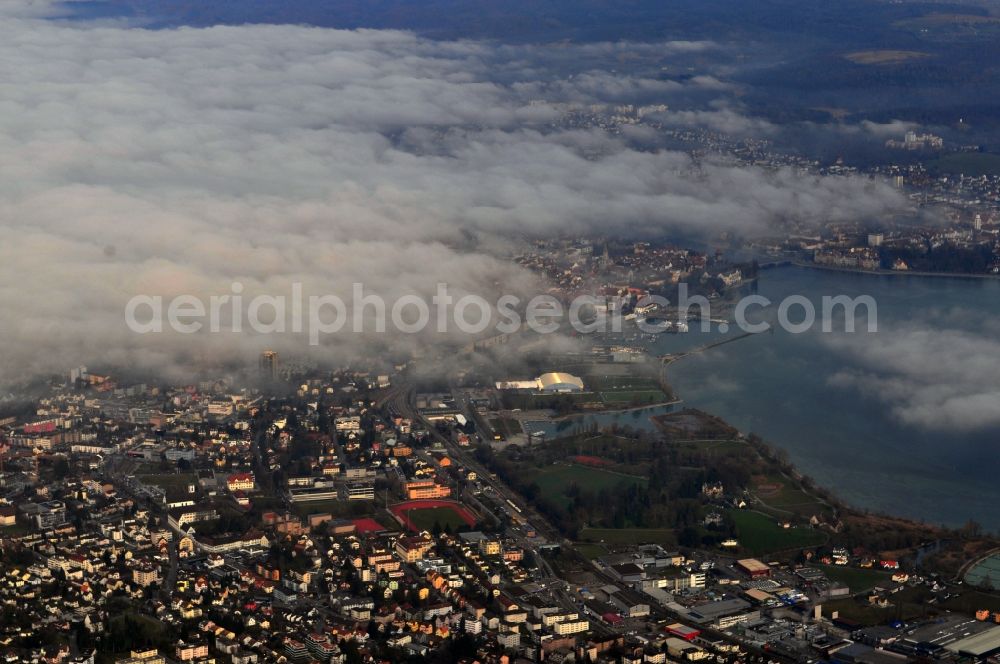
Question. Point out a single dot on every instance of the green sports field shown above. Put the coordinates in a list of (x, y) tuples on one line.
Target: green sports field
[(445, 517)]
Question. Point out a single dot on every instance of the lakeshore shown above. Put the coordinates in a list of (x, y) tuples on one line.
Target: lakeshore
[(853, 414), (617, 411), (889, 273)]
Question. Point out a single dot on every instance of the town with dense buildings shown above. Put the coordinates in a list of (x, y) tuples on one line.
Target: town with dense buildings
[(362, 515), (499, 498), (953, 225), (351, 517)]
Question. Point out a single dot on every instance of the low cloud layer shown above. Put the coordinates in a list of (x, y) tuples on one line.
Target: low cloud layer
[(932, 379), (168, 162)]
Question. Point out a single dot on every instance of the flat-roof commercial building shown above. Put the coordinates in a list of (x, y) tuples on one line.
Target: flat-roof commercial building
[(724, 614), (753, 568), (682, 631), (979, 645)]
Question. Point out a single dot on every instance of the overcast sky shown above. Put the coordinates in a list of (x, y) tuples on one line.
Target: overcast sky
[(179, 161)]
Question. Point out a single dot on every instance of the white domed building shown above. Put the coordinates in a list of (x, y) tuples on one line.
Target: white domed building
[(559, 382)]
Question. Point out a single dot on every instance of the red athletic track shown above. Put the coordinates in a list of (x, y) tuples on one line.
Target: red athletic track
[(400, 510)]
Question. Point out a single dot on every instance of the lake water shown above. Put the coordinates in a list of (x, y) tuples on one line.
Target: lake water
[(904, 420)]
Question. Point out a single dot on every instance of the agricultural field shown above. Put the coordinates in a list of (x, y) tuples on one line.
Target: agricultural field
[(779, 495), (760, 534), (856, 578), (867, 614), (554, 480), (628, 536)]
